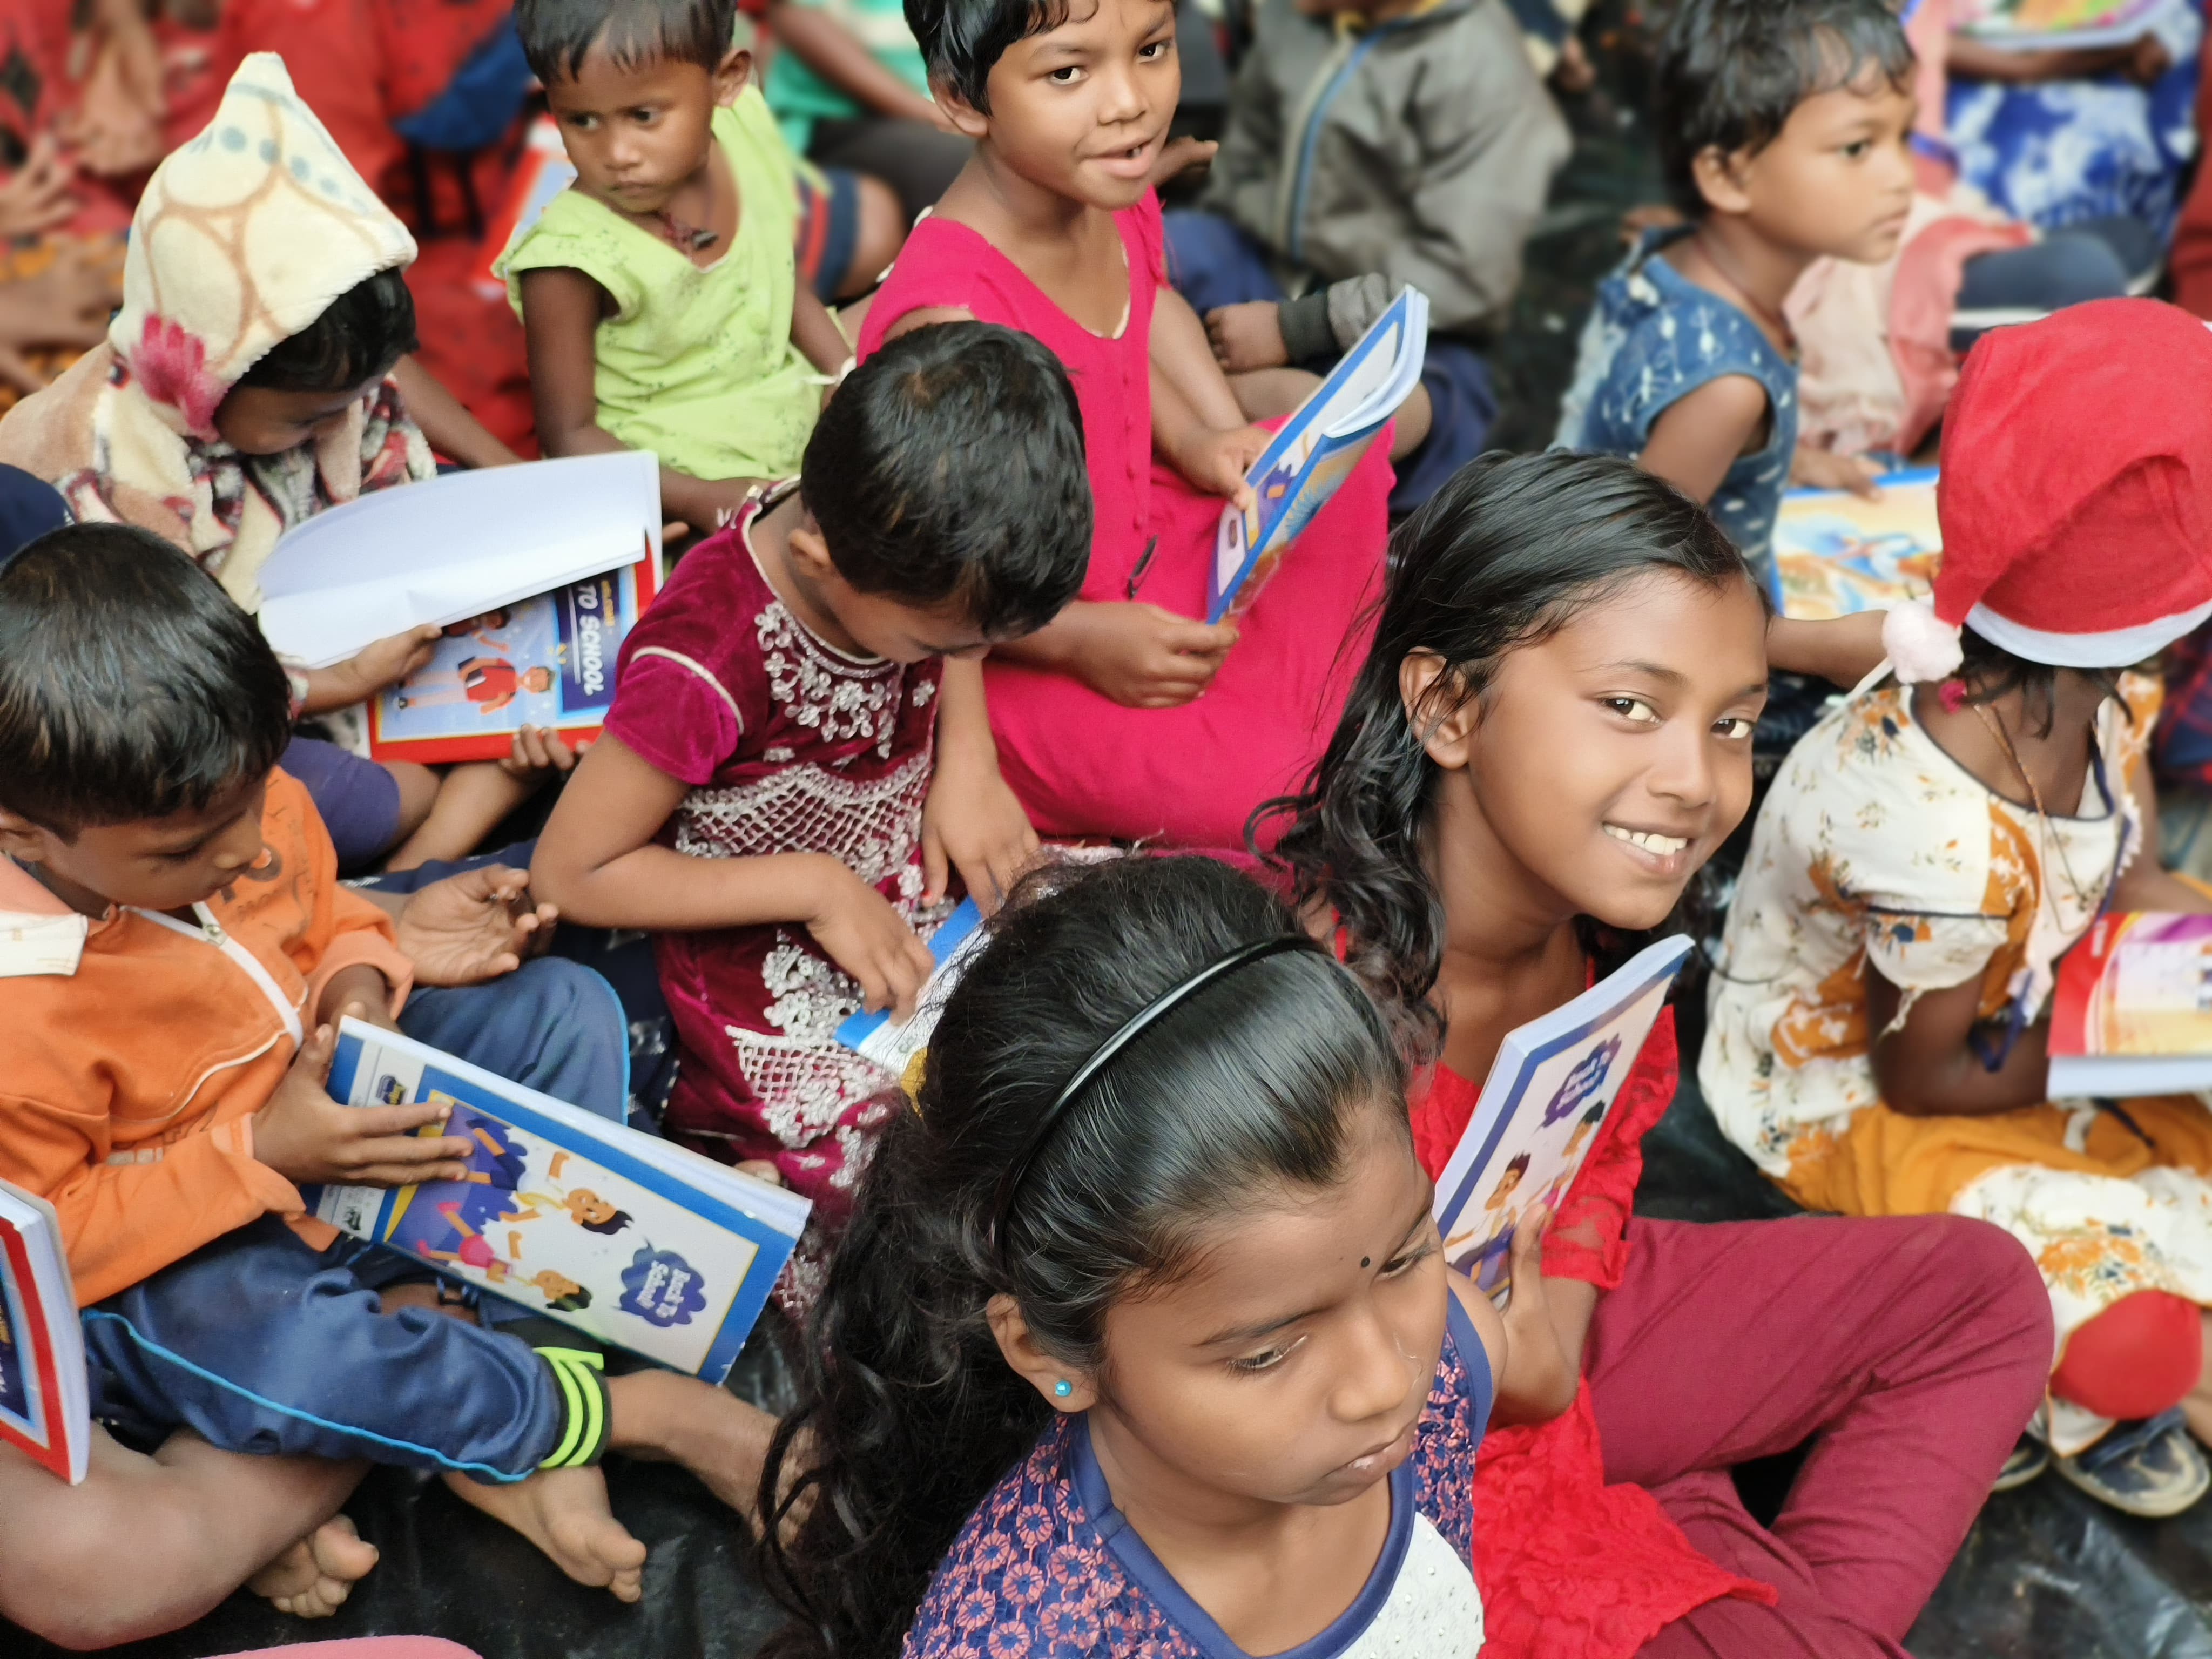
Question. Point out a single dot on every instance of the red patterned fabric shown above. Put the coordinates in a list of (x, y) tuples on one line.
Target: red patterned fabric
[(1569, 1567)]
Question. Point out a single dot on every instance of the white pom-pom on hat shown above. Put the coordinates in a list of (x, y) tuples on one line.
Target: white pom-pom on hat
[(1922, 647)]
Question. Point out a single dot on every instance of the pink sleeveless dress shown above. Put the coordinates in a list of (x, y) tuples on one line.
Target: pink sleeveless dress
[(1086, 766)]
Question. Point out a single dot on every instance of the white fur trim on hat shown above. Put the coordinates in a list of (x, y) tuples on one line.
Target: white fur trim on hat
[(1921, 647), (2117, 647)]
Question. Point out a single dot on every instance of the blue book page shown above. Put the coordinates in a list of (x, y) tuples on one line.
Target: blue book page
[(23, 1409), (1548, 1099), (559, 1221), (1837, 554), (890, 1046)]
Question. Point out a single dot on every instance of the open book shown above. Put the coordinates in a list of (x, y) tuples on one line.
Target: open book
[(1543, 1108), (45, 1408), (455, 547), (877, 1037), (2132, 1012), (1836, 554), (640, 1243), (1316, 451)]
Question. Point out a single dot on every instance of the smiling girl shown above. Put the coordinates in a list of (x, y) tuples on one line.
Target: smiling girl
[(1129, 716), (1142, 1340), (1551, 738)]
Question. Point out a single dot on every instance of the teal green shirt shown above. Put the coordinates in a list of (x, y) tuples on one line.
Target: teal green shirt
[(800, 97)]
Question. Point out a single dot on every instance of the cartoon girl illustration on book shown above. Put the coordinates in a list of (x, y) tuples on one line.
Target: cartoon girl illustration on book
[(581, 1204), (1582, 1131), (473, 1249)]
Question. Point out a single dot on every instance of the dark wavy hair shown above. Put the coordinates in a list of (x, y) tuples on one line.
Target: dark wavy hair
[(950, 466), (1730, 72), (557, 34), (1510, 549), (131, 686), (359, 336), (962, 40), (910, 1414)]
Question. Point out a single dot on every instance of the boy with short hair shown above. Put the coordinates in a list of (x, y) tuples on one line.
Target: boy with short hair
[(1374, 145), (178, 953)]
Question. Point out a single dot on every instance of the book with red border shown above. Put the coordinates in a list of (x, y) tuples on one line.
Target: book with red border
[(44, 1410), (2131, 1012), (547, 661)]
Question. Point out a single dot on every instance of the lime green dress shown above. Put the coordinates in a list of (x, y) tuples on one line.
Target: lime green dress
[(695, 365)]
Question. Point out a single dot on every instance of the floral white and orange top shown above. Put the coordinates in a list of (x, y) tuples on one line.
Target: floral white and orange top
[(1875, 846)]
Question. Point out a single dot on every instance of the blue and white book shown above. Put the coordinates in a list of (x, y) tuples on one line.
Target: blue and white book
[(638, 1242), (891, 1043), (1543, 1109), (45, 1408), (1311, 457)]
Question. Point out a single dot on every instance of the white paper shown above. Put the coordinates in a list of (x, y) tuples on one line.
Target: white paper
[(453, 547)]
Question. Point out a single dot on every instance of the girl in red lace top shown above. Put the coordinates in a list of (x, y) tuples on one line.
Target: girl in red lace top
[(1550, 737)]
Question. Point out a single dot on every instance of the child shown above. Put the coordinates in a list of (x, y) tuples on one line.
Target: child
[(1127, 717), (1932, 847), (1550, 737), (1423, 161), (157, 863), (1783, 128), (658, 291), (1142, 1340), (798, 745), (246, 386)]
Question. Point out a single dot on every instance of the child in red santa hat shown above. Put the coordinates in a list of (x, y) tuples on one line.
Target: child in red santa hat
[(1880, 1007)]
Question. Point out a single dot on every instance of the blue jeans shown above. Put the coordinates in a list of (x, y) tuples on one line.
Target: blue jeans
[(260, 1344), (1213, 263)]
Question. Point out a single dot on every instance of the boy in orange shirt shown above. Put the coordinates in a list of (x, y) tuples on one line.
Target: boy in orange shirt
[(179, 951)]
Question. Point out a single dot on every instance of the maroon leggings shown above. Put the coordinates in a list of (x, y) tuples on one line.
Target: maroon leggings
[(1908, 1350)]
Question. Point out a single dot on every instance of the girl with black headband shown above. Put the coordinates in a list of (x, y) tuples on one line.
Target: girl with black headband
[(1141, 1339)]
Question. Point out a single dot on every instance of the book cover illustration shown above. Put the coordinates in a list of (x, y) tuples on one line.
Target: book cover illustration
[(1542, 1109), (1315, 452), (548, 661), (45, 1408), (631, 1239), (1837, 554), (2131, 1014), (2052, 25)]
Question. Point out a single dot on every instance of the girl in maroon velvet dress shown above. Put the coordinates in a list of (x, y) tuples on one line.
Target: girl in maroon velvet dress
[(1551, 737), (1129, 716)]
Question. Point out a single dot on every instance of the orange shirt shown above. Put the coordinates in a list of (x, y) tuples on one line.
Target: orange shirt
[(136, 1048)]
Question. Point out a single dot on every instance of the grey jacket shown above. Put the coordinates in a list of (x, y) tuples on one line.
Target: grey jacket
[(1420, 151)]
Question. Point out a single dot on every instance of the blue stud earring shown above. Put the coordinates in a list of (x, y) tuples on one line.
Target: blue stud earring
[(1062, 1389)]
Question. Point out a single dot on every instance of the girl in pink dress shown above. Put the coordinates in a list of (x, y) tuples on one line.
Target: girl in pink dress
[(1128, 717)]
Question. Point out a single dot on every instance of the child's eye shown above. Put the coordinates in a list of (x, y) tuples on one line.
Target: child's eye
[(1406, 1262), (1253, 1364), (1859, 150), (1153, 51), (1066, 75), (1736, 728), (1633, 708), (644, 118)]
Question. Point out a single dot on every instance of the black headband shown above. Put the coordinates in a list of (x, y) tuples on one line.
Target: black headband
[(1010, 1184)]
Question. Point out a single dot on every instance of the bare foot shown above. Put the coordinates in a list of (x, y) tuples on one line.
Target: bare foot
[(716, 1435), (312, 1579), (564, 1512)]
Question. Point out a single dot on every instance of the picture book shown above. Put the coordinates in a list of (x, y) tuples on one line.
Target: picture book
[(2132, 1010), (542, 172), (2056, 25), (458, 546), (547, 661), (1314, 453), (45, 1408), (1837, 554), (958, 937), (1543, 1108), (640, 1243)]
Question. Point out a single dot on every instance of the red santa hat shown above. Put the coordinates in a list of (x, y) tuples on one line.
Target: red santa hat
[(2076, 496)]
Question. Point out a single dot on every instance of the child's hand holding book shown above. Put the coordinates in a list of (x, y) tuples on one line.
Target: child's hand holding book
[(1540, 1378), (1143, 657), (311, 1140), (858, 929)]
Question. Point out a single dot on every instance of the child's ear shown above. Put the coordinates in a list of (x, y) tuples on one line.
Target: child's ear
[(1720, 178), (811, 552), (1442, 717), (23, 840), (971, 121), (1047, 1376), (732, 76)]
